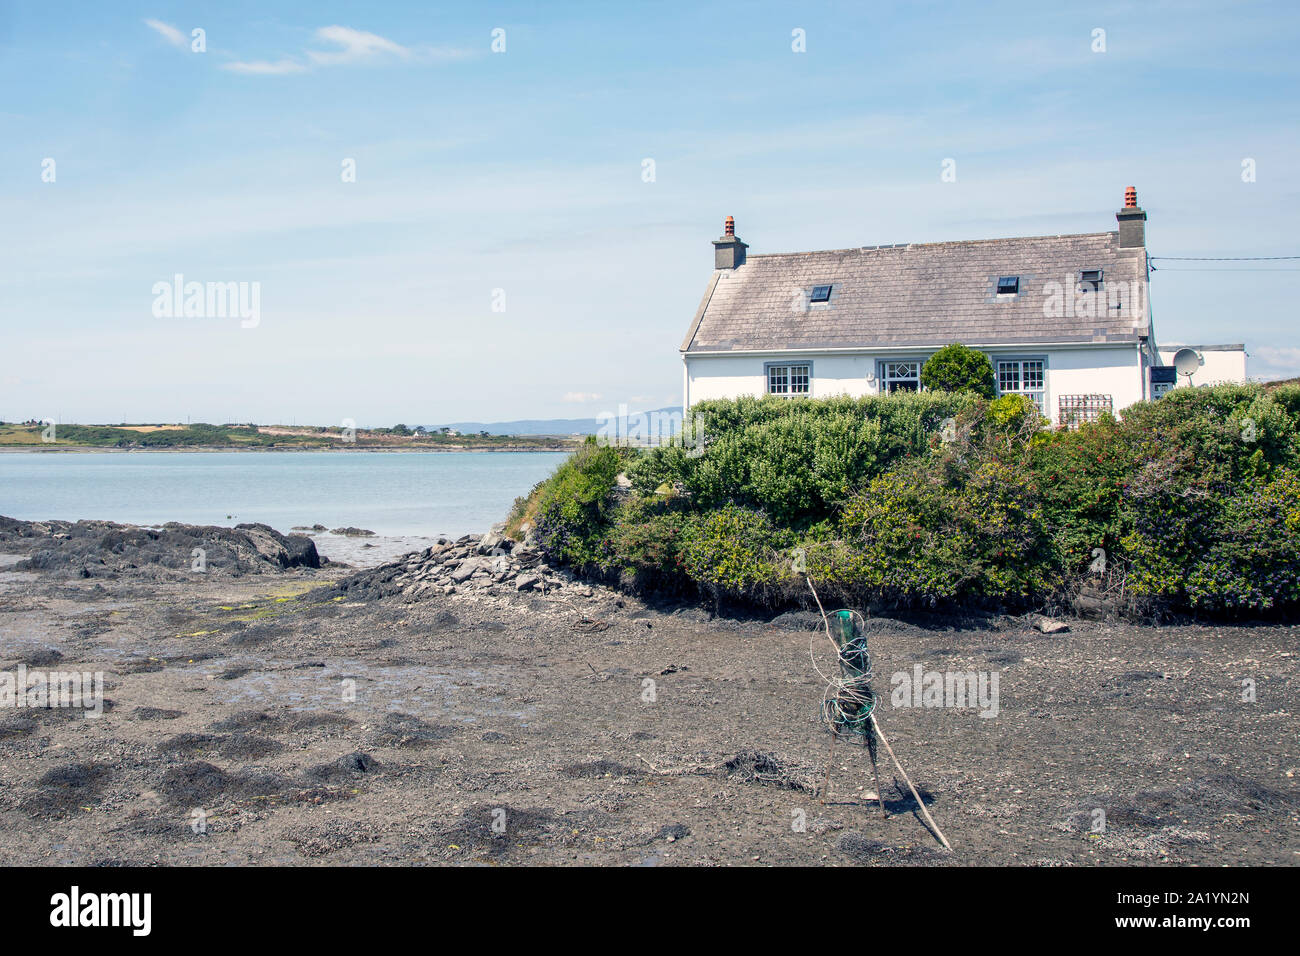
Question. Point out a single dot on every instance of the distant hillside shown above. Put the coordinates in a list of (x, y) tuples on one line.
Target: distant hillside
[(554, 426), (255, 437)]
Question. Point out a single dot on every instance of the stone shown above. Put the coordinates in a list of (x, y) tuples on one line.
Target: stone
[(527, 582), (1047, 625), (1092, 603), (464, 571), (524, 555)]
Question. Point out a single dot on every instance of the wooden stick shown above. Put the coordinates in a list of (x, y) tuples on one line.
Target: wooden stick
[(919, 802), (876, 773), (826, 790)]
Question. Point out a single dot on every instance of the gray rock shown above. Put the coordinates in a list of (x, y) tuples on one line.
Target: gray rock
[(1092, 603), (1048, 625), (525, 556), (527, 582), (464, 571)]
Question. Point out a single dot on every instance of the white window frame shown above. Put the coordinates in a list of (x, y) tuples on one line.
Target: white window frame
[(885, 373), (1037, 395), (789, 379)]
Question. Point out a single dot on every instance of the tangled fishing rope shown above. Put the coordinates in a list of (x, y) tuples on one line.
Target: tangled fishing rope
[(848, 701), (849, 704)]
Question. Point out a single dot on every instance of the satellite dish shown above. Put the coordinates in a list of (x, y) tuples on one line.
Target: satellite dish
[(1187, 362)]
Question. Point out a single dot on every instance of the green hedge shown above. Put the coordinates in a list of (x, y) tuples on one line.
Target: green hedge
[(939, 499), (575, 506), (798, 460), (962, 524)]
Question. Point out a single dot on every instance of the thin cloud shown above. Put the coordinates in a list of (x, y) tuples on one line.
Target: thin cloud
[(355, 45), (442, 53), (169, 33), (265, 67), (581, 397), (1273, 362)]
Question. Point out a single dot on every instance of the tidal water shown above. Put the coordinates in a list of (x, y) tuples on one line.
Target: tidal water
[(395, 494)]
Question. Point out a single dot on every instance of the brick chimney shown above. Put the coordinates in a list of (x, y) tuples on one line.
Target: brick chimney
[(1132, 222), (728, 252)]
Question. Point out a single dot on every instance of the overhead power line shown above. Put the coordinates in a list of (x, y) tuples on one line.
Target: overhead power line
[(1154, 259)]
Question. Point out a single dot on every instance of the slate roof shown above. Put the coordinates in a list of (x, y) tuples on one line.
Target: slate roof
[(920, 295)]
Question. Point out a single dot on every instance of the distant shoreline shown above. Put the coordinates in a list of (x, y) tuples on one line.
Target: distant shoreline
[(92, 449), (30, 436)]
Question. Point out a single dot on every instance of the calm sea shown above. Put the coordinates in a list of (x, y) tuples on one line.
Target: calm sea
[(406, 493)]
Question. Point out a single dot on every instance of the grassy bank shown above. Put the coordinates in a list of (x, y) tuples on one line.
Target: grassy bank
[(1191, 503)]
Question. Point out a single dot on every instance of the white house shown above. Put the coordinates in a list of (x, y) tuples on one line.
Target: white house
[(1065, 320), (1219, 363)]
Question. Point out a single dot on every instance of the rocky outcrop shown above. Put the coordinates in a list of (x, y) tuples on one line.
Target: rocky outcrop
[(89, 549), (490, 564)]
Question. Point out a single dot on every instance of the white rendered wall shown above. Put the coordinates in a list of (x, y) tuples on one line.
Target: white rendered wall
[(1101, 371), (1112, 370), (1222, 364)]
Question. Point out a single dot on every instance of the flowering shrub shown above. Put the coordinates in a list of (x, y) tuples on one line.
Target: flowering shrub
[(963, 524), (733, 551)]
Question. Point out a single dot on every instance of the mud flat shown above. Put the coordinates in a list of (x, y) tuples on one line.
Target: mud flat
[(300, 714)]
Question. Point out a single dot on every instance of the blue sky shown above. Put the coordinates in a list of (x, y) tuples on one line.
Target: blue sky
[(522, 171)]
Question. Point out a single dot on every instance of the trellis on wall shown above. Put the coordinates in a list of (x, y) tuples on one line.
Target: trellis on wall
[(1073, 410)]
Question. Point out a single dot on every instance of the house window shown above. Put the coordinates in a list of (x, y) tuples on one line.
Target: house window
[(1022, 377), (1090, 280), (821, 293), (1076, 409), (900, 376), (789, 379), (1008, 285)]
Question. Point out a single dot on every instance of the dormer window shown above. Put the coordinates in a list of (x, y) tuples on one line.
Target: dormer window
[(1090, 279), (821, 293), (1008, 285)]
